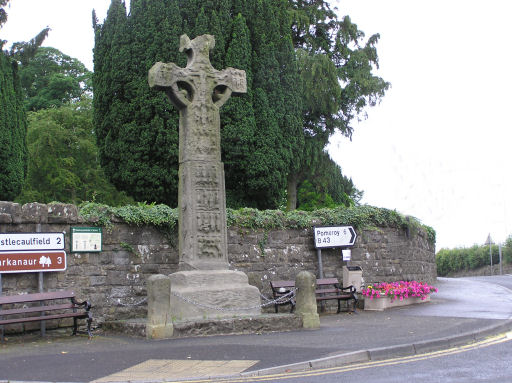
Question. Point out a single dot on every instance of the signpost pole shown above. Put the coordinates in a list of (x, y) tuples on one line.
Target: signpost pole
[(2, 326), (489, 242), (41, 286), (320, 265)]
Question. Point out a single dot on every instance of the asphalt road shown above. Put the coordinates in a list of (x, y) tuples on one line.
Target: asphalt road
[(481, 363), (462, 305)]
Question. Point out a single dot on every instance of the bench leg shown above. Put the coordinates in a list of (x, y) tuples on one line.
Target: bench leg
[(355, 303), (75, 326), (339, 306), (89, 321)]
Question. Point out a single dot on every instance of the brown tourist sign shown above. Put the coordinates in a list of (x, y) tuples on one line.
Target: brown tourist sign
[(32, 261)]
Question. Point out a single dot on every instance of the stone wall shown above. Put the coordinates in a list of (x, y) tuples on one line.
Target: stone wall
[(114, 280)]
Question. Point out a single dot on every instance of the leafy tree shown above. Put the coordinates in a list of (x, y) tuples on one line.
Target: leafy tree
[(3, 14), (311, 199), (52, 79), (326, 186), (63, 158), (336, 67), (270, 136)]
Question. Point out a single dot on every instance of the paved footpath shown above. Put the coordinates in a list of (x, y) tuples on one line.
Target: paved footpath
[(464, 310)]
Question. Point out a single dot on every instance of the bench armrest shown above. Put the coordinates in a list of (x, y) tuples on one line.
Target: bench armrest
[(85, 304), (350, 288)]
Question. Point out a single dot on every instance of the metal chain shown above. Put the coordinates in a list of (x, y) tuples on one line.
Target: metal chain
[(118, 301), (265, 298), (282, 299)]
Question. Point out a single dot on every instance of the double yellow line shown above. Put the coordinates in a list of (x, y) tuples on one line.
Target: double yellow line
[(360, 366)]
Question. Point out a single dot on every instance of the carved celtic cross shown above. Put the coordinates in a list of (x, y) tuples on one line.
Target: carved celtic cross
[(198, 91)]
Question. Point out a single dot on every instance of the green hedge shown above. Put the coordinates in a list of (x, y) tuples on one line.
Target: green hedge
[(464, 259)]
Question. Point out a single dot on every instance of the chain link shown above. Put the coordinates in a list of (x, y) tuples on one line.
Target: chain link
[(282, 299), (119, 303)]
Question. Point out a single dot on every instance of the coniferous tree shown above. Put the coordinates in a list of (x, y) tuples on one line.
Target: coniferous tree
[(13, 153), (270, 135), (238, 122), (138, 136)]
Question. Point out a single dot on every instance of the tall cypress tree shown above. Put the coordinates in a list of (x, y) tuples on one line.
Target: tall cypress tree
[(13, 130), (139, 138), (238, 124), (110, 55), (13, 125)]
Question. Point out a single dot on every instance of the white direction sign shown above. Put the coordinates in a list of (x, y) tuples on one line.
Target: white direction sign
[(31, 241), (334, 236)]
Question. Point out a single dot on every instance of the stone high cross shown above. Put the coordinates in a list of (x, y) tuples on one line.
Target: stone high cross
[(198, 91)]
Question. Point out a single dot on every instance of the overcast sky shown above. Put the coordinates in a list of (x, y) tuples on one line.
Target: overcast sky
[(437, 147)]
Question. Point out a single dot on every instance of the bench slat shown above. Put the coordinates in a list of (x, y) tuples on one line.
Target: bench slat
[(23, 298), (44, 317), (327, 281), (342, 297), (35, 309), (279, 284)]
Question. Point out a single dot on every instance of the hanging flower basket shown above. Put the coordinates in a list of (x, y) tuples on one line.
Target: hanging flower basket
[(381, 296)]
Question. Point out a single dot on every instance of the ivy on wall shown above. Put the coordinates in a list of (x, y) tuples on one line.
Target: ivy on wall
[(164, 217)]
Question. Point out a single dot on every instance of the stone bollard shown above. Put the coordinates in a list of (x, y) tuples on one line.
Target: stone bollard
[(305, 282), (159, 323)]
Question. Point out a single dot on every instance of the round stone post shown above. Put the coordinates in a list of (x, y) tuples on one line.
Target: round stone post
[(159, 323), (305, 282)]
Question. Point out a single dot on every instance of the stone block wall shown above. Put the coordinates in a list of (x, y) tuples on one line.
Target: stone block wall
[(115, 279)]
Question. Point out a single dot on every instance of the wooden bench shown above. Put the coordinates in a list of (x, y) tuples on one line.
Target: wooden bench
[(46, 306), (330, 288), (280, 289), (326, 289)]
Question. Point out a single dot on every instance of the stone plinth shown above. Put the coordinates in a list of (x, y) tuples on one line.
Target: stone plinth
[(306, 301), (202, 294), (159, 323)]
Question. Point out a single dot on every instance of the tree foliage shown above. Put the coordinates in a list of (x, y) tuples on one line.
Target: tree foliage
[(63, 158), (336, 65), (309, 74), (137, 127), (13, 128), (3, 18), (52, 79), (326, 186), (13, 156)]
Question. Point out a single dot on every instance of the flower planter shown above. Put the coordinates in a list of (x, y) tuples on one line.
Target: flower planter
[(380, 304)]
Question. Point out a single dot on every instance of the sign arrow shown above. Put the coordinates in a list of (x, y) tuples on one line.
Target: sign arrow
[(334, 236)]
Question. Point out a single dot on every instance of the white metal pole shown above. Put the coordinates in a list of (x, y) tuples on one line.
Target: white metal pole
[(501, 263)]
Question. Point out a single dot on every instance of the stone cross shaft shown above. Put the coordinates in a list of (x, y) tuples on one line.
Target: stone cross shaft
[(198, 91)]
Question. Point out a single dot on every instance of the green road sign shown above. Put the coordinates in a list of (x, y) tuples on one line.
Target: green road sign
[(86, 239)]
